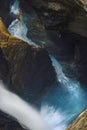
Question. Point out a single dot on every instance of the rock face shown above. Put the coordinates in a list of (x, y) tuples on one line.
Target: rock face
[(80, 123), (28, 67), (7, 124), (53, 14), (64, 32), (50, 22), (57, 15)]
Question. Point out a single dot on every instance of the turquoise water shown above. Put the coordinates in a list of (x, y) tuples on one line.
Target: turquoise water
[(62, 103)]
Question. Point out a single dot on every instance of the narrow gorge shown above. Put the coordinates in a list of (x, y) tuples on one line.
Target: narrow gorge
[(43, 46)]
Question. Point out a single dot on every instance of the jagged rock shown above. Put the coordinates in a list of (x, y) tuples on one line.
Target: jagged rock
[(80, 123)]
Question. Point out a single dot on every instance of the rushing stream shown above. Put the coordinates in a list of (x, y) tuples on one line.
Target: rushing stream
[(60, 105), (18, 27)]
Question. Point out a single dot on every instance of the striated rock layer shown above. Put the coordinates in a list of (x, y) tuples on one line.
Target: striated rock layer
[(80, 123)]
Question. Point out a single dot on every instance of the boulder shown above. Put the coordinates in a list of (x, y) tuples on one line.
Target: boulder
[(80, 123)]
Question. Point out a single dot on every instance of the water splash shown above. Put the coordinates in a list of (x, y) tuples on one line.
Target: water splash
[(19, 29), (55, 118), (26, 115), (61, 106)]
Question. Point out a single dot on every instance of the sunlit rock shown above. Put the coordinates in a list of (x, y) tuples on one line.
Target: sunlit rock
[(80, 123)]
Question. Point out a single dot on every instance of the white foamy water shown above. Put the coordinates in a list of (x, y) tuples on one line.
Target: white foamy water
[(70, 100), (18, 27), (15, 8), (58, 69), (61, 77), (24, 113)]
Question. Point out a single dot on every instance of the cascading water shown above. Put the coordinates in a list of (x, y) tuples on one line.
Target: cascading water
[(60, 105), (26, 115), (18, 27)]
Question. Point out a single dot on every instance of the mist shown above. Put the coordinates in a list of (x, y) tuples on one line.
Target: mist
[(55, 118)]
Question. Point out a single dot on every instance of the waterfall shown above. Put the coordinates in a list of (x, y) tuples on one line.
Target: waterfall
[(24, 113), (73, 87), (61, 105), (58, 69), (18, 27), (65, 81)]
